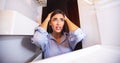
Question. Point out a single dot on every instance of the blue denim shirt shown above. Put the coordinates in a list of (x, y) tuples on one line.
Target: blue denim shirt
[(48, 44)]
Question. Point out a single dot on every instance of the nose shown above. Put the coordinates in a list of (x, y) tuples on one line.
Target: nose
[(58, 22)]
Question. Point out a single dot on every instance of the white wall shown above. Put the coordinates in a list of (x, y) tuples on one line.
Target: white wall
[(89, 23)]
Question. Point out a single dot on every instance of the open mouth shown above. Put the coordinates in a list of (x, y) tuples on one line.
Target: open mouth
[(58, 28)]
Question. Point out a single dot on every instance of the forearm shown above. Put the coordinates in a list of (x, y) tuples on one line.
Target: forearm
[(72, 27), (44, 24)]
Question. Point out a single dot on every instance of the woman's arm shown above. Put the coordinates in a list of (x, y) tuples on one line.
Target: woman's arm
[(76, 34), (40, 36), (45, 22), (72, 27)]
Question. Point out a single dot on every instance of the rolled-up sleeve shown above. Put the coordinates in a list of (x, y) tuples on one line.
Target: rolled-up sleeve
[(75, 37), (40, 37)]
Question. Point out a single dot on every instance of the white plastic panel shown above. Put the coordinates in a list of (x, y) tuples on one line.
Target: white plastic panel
[(93, 54), (109, 21), (14, 23)]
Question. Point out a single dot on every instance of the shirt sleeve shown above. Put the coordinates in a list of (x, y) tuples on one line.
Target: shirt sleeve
[(75, 37), (40, 37)]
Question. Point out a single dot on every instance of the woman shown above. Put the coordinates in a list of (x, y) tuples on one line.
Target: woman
[(57, 41)]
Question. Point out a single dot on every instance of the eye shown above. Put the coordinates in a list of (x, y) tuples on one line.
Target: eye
[(54, 19), (61, 19)]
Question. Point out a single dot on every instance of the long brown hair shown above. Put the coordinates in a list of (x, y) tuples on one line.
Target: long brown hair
[(65, 27)]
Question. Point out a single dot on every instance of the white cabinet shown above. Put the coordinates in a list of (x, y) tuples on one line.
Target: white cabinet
[(14, 23), (16, 31)]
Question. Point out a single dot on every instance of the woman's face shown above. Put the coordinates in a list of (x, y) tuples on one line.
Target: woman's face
[(57, 23)]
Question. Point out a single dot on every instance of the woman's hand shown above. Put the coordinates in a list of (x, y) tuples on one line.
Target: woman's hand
[(39, 18), (72, 27), (66, 18), (48, 17), (45, 22)]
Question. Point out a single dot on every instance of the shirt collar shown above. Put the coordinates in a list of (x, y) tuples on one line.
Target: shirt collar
[(62, 38)]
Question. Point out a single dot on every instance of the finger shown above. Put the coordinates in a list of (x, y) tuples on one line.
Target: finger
[(50, 13)]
